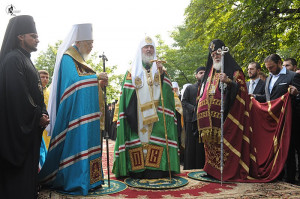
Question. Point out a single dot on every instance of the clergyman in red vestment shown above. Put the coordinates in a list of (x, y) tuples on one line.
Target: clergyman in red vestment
[(256, 135)]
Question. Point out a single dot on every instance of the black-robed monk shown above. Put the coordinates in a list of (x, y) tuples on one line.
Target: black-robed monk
[(194, 155), (21, 111)]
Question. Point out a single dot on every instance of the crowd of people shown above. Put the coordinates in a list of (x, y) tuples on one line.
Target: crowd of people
[(52, 136)]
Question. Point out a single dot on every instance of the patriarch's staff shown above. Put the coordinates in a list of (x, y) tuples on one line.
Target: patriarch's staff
[(105, 132), (165, 127), (222, 52)]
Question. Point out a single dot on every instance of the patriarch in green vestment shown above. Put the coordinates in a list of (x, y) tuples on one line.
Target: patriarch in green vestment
[(141, 145)]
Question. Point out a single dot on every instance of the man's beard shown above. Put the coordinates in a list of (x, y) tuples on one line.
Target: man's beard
[(278, 70), (147, 59), (84, 52), (30, 47), (217, 65), (86, 56), (253, 76)]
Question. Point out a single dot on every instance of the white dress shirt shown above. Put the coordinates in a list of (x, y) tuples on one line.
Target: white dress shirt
[(275, 77)]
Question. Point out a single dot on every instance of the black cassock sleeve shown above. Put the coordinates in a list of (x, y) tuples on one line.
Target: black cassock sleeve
[(186, 100), (131, 113), (21, 105)]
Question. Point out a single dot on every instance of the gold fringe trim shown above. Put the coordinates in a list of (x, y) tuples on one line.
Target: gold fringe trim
[(210, 136), (156, 103), (146, 106), (150, 120)]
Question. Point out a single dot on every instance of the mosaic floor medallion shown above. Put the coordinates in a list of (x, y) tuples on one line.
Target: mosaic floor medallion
[(161, 183)]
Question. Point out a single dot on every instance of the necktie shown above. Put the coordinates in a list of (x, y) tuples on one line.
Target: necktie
[(251, 87)]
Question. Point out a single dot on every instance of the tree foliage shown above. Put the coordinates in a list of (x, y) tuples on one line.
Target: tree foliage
[(46, 61), (182, 58), (115, 81), (252, 29)]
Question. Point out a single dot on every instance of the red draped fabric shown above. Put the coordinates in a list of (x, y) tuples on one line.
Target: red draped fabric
[(256, 139)]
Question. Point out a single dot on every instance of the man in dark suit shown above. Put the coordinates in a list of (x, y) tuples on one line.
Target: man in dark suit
[(277, 84), (291, 64), (255, 85), (280, 78)]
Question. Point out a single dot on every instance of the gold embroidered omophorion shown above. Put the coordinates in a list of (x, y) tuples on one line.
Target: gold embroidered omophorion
[(82, 67)]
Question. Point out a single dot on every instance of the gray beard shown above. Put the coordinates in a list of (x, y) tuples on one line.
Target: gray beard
[(147, 59), (85, 56), (217, 65)]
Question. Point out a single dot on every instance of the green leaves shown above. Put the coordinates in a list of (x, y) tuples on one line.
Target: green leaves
[(252, 29), (113, 89), (46, 59)]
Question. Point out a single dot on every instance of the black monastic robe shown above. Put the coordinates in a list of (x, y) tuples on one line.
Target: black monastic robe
[(194, 155), (21, 107)]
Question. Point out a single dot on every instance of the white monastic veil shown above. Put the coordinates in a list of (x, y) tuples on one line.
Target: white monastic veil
[(137, 66), (52, 104)]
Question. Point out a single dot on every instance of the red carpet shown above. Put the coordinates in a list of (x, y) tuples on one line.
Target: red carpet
[(195, 189)]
